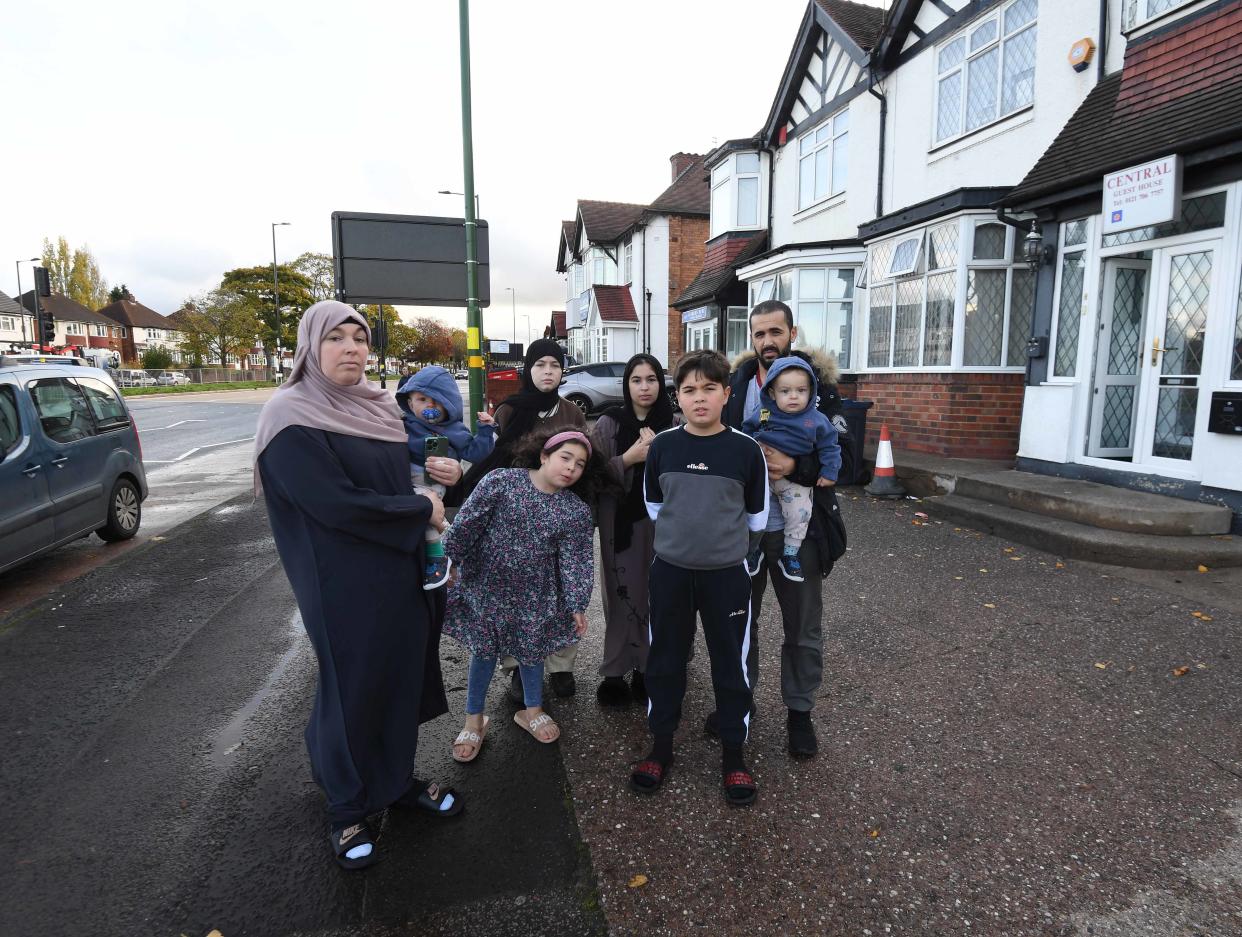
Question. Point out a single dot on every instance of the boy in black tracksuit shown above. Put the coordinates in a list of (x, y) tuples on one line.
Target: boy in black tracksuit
[(706, 489)]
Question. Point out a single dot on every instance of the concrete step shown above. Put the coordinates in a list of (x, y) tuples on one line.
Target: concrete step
[(1080, 541), (1096, 505)]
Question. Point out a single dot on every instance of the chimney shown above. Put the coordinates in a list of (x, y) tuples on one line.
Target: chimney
[(680, 163)]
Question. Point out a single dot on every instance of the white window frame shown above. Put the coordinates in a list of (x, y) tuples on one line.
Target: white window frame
[(1138, 12), (725, 203), (629, 263), (74, 328), (962, 69), (916, 256), (838, 128), (8, 324), (738, 176), (961, 268)]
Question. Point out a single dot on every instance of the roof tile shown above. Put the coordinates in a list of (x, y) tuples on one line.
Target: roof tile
[(721, 258), (615, 304), (860, 21), (607, 221), (690, 193), (134, 314)]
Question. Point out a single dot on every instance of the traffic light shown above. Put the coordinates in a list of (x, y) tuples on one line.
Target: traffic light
[(43, 282), (47, 329), (380, 337)]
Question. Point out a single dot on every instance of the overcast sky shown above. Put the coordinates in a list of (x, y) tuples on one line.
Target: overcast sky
[(168, 135)]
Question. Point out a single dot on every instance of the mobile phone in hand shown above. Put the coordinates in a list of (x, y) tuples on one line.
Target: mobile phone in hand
[(437, 447)]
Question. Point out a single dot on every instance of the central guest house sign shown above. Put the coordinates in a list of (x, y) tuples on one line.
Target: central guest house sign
[(1143, 195)]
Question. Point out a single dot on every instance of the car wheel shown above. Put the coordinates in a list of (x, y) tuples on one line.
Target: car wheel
[(124, 512), (582, 403)]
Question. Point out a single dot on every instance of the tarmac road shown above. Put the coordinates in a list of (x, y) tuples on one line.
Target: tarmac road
[(155, 780)]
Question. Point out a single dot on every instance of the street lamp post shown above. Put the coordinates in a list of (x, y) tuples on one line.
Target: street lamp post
[(527, 318), (513, 309), (276, 298), (32, 260), (462, 194)]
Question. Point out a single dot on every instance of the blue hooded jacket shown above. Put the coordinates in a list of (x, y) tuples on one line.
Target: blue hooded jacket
[(796, 433), (438, 384)]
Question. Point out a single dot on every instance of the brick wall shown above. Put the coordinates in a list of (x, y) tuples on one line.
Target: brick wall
[(686, 236), (967, 416)]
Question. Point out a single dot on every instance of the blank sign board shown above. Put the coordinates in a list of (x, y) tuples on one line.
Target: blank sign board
[(412, 260)]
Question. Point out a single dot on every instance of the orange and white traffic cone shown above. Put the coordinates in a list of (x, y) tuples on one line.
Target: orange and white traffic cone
[(884, 482)]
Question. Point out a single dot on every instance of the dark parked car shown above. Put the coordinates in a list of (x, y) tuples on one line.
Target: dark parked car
[(70, 459), (592, 387)]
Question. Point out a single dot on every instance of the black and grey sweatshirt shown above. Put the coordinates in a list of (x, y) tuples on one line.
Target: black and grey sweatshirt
[(706, 494)]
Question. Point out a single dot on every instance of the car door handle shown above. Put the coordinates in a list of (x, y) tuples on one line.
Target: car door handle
[(60, 460), (29, 470)]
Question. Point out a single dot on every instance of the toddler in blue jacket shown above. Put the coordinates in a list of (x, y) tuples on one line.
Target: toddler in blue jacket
[(431, 406), (787, 420)]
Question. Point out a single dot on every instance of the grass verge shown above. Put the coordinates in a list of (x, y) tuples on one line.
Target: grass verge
[(193, 388)]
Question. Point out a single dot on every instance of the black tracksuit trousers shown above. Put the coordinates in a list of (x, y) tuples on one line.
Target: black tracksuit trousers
[(721, 597)]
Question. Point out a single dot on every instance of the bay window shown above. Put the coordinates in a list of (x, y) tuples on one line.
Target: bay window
[(735, 194), (822, 300), (987, 72), (1067, 320), (74, 328), (914, 297), (823, 161)]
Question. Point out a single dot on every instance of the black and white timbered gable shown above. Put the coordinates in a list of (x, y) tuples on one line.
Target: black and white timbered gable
[(828, 65)]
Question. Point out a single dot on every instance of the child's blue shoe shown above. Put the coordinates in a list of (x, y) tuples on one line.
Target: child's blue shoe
[(436, 573), (791, 567)]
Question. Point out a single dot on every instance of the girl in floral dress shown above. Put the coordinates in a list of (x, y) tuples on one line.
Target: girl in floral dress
[(522, 547)]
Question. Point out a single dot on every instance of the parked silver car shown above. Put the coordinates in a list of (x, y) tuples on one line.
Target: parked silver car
[(131, 377), (70, 460), (172, 378), (592, 387)]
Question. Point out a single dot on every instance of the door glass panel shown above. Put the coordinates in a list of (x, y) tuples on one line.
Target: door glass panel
[(1175, 422), (1069, 314), (1118, 416), (1126, 333), (1021, 309), (105, 405), (1189, 280)]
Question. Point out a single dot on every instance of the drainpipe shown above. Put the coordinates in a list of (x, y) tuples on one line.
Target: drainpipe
[(643, 292), (879, 181), (1101, 66)]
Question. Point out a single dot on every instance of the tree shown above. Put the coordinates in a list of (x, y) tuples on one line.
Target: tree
[(402, 338), (218, 324), (460, 354), (156, 358), (75, 273), (435, 340), (320, 273), (118, 293), (254, 285)]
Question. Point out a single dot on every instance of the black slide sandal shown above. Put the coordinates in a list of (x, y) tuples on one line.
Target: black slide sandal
[(351, 837), (431, 798)]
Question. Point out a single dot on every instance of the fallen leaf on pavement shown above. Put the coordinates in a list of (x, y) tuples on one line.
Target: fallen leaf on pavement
[(1180, 671), (638, 881), (1101, 665), (1201, 666), (1205, 618), (959, 577), (215, 933), (1202, 568), (920, 514), (983, 570), (989, 605), (874, 834), (1015, 557), (1008, 549), (1060, 566)]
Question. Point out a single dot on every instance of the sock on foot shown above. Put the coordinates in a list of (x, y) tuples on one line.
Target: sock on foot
[(790, 551), (799, 718), (435, 548), (731, 759)]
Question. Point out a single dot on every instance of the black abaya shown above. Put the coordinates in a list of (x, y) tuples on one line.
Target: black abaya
[(349, 532)]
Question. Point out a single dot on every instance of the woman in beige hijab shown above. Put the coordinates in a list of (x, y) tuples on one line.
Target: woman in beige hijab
[(332, 463)]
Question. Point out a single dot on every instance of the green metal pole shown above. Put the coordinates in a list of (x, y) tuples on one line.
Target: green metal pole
[(474, 316)]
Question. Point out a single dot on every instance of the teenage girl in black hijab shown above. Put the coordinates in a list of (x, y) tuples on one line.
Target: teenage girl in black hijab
[(626, 533)]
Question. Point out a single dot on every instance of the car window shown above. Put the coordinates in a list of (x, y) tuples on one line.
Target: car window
[(62, 409), (618, 370), (599, 370), (10, 420), (106, 406)]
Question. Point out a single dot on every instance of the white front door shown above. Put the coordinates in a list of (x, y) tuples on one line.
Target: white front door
[(1118, 358), (1186, 286)]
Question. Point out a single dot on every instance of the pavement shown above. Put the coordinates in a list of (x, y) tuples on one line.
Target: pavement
[(1013, 743)]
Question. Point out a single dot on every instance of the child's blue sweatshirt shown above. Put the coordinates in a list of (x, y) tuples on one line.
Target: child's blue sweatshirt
[(438, 384), (796, 433)]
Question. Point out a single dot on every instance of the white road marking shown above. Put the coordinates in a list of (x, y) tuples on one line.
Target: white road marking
[(169, 426), (184, 455)]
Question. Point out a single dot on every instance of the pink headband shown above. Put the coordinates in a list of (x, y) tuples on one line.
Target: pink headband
[(568, 436)]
